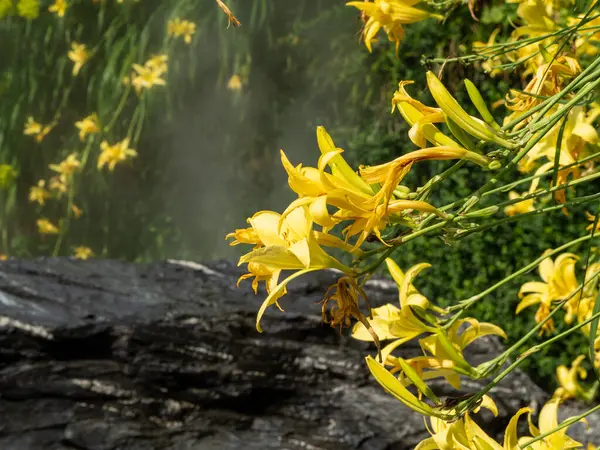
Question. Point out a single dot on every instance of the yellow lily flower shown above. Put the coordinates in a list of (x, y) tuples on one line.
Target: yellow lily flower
[(421, 119), (518, 208), (145, 77), (46, 227), (235, 83), (111, 155), (88, 125), (346, 190), (177, 27), (83, 253), (389, 15), (158, 63), (391, 322), (59, 7), (58, 185), (37, 130), (79, 55), (569, 379), (401, 324), (289, 244), (67, 168), (559, 282), (548, 420), (592, 218), (548, 80), (38, 194)]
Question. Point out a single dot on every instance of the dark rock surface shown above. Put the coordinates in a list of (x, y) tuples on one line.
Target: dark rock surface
[(103, 355)]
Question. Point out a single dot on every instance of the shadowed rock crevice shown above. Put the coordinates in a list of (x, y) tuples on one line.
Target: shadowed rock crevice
[(104, 355)]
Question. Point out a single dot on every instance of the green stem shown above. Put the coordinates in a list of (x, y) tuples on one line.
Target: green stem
[(464, 304)]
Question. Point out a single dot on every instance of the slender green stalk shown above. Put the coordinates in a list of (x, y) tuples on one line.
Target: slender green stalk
[(464, 304)]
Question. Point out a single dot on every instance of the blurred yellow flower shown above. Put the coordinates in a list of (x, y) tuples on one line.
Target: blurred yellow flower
[(77, 212), (36, 129), (8, 175), (83, 252), (88, 125), (39, 194), (6, 8), (67, 167), (177, 27), (235, 83), (57, 184), (3, 257), (158, 63), (46, 227), (568, 378), (592, 219), (111, 155), (28, 9), (145, 77), (59, 7), (518, 208), (79, 55)]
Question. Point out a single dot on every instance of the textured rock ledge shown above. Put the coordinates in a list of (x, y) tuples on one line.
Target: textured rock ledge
[(103, 355)]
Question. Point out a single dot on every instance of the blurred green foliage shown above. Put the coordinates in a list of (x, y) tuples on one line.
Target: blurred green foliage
[(208, 155)]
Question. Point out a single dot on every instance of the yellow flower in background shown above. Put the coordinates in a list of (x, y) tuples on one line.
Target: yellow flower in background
[(592, 219), (158, 63), (518, 208), (39, 194), (111, 155), (558, 283), (36, 129), (389, 15), (79, 55), (3, 257), (235, 83), (8, 175), (67, 168), (145, 77), (177, 27), (88, 125), (77, 212), (548, 420), (46, 227), (568, 378), (6, 8), (58, 184), (28, 9), (83, 253), (59, 7)]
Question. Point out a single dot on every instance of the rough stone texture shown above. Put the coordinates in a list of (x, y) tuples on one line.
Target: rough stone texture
[(103, 355)]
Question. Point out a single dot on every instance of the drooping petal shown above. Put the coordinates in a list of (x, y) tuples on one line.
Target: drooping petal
[(275, 294)]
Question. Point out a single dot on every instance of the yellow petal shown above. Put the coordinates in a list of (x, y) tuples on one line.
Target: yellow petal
[(391, 385), (276, 294)]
